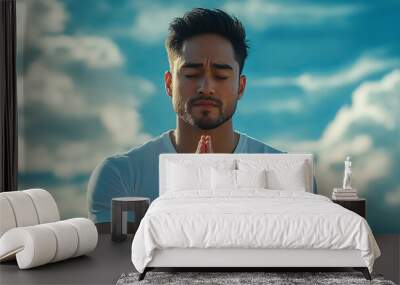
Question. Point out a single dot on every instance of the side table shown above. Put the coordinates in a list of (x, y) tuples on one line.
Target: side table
[(119, 215), (358, 206)]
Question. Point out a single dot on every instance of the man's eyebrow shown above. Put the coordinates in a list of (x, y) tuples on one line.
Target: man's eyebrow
[(192, 65), (200, 65), (221, 66)]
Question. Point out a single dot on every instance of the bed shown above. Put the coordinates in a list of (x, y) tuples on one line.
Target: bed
[(245, 211)]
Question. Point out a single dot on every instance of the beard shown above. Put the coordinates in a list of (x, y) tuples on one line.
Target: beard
[(203, 119)]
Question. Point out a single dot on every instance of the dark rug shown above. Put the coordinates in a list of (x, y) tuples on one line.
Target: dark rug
[(228, 278)]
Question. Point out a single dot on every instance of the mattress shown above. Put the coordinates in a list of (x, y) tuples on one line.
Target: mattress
[(250, 219)]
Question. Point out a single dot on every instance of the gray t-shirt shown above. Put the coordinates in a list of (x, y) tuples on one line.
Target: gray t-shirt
[(135, 173)]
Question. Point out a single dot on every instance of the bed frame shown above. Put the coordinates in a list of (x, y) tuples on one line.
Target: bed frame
[(247, 259)]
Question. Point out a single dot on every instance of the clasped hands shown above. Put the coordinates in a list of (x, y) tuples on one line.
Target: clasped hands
[(204, 145)]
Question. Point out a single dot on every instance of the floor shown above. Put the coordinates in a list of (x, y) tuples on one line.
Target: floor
[(389, 262)]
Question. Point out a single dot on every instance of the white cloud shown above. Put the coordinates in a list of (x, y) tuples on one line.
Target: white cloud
[(392, 198), (38, 18), (152, 21), (371, 166), (95, 52), (71, 200), (291, 105), (21, 149), (73, 157), (362, 67), (264, 14), (41, 24), (84, 158), (123, 124), (66, 158), (51, 87), (69, 158), (21, 14), (54, 98), (144, 86), (58, 94), (76, 157), (372, 103), (258, 14), (359, 130), (367, 130), (357, 145)]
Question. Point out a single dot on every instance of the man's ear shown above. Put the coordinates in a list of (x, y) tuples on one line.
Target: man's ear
[(242, 86), (168, 83)]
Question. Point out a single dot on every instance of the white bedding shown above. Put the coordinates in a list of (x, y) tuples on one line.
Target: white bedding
[(250, 218)]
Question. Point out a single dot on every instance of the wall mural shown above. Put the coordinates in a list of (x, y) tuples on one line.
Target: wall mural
[(322, 78)]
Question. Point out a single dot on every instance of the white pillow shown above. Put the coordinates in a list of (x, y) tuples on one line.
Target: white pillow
[(251, 178), (189, 174), (281, 174), (223, 179), (237, 179), (183, 178), (292, 179)]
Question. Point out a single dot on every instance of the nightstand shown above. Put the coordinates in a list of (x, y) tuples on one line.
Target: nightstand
[(119, 215), (358, 206)]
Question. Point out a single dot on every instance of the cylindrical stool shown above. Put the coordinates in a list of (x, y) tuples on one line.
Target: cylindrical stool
[(119, 215)]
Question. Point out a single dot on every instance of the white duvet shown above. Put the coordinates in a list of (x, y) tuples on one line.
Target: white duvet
[(252, 218)]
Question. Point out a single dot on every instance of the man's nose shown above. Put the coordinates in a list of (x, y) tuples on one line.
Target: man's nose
[(206, 86)]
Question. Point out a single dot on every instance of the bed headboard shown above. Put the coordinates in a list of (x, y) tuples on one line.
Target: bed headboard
[(165, 158)]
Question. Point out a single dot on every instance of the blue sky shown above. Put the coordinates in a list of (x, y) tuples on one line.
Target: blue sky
[(323, 77)]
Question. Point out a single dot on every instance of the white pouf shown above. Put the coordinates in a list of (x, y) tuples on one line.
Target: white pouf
[(32, 233)]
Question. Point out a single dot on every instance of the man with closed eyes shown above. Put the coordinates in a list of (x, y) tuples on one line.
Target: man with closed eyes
[(206, 51)]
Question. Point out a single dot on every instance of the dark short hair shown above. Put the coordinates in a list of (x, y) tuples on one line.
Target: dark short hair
[(205, 21)]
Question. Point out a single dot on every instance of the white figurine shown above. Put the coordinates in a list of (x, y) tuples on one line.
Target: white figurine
[(347, 174)]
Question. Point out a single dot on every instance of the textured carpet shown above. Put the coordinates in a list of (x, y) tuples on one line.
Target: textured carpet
[(225, 278)]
